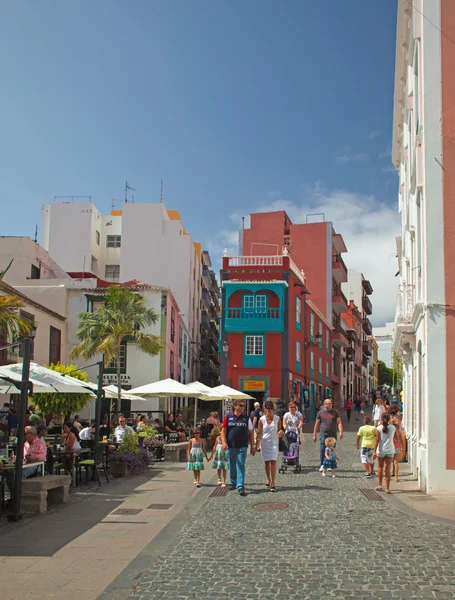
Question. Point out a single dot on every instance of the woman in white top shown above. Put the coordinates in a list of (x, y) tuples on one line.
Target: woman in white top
[(378, 412), (384, 450), (293, 419), (269, 432)]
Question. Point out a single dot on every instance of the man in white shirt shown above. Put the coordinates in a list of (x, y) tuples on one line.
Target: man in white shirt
[(77, 424), (121, 430), (88, 432)]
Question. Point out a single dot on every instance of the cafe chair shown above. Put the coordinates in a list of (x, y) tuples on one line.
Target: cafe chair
[(89, 464)]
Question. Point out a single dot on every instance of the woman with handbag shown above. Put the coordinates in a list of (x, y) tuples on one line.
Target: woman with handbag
[(269, 433)]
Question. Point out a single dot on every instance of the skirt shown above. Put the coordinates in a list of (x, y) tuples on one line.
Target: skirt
[(269, 449)]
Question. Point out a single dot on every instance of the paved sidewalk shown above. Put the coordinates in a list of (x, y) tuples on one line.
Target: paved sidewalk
[(77, 550)]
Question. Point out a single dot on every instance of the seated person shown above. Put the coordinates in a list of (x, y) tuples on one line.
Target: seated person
[(88, 433), (34, 451), (213, 419), (41, 431), (121, 429), (171, 427), (158, 425), (71, 442), (12, 421), (77, 423)]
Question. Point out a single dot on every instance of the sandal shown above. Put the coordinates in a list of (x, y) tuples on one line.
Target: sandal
[(267, 484), (272, 488), (219, 482), (378, 488), (388, 492), (223, 485)]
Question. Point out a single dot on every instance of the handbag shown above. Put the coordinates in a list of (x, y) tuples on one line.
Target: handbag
[(283, 444)]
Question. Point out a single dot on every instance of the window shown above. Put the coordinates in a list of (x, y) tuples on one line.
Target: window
[(254, 304), (320, 365), (261, 303), (327, 369), (327, 338), (172, 325), (171, 366), (184, 349), (55, 339), (97, 238), (113, 241), (112, 368), (311, 359), (94, 265), (320, 334), (180, 341), (254, 345), (312, 327), (298, 313), (112, 272), (35, 272), (31, 318), (297, 352)]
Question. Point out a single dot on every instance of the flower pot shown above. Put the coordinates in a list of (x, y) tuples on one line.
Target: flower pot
[(119, 469)]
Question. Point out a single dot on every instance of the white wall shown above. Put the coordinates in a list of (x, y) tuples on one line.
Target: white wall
[(25, 252)]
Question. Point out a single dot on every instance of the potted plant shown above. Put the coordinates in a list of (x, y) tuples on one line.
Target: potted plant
[(129, 457), (153, 442)]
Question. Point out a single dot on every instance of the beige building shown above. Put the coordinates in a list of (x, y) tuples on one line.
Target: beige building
[(374, 367)]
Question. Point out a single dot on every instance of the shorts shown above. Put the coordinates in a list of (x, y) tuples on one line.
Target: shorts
[(397, 450), (386, 455), (366, 455)]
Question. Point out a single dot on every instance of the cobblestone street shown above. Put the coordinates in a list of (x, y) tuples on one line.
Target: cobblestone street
[(331, 542)]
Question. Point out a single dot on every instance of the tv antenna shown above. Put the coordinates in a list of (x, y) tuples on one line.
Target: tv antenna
[(161, 192), (128, 187)]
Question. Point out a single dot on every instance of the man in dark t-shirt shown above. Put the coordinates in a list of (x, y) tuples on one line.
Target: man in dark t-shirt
[(328, 423)]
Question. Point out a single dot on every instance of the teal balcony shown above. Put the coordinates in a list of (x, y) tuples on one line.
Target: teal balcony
[(254, 320)]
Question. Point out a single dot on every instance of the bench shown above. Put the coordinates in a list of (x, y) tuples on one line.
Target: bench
[(175, 452), (41, 492)]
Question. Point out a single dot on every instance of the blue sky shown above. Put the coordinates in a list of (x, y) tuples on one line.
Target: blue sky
[(236, 105)]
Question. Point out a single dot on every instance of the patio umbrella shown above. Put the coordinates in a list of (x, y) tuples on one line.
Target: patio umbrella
[(231, 393), (111, 392), (43, 379), (166, 388), (207, 393)]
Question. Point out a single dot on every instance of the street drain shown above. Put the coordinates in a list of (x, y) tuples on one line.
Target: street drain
[(371, 494), (219, 492), (127, 511), (159, 506), (265, 506)]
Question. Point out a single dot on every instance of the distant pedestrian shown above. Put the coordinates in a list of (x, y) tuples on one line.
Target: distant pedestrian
[(378, 412), (330, 457), (195, 455), (220, 458), (349, 409), (384, 450), (328, 423), (236, 432), (365, 441), (357, 408), (269, 432), (396, 420)]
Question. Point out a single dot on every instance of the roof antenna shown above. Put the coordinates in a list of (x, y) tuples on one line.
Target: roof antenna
[(36, 234), (161, 193), (127, 187)]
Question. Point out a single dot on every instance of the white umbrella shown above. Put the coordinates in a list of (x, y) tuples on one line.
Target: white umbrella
[(166, 388), (44, 380), (207, 393), (111, 391), (231, 393)]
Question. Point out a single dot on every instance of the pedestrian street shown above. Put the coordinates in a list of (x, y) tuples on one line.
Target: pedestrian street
[(327, 540)]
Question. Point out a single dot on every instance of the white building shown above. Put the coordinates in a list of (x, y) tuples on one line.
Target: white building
[(423, 152), (145, 242), (384, 337)]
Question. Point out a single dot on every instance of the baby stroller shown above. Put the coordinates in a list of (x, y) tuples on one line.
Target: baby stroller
[(290, 458)]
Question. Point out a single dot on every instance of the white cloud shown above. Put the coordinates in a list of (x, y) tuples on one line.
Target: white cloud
[(368, 225), (347, 156), (373, 135)]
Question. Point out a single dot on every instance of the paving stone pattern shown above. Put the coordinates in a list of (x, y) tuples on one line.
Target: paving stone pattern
[(332, 542)]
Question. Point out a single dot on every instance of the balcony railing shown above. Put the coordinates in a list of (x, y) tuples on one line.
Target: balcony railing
[(366, 347), (336, 291), (367, 328), (366, 304), (405, 304), (254, 319), (337, 260), (266, 261)]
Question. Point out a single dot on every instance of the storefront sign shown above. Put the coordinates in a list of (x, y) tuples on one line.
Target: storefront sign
[(111, 378), (254, 386)]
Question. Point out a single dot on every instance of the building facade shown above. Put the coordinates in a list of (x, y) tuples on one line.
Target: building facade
[(423, 152), (145, 242), (317, 250), (210, 317), (274, 342)]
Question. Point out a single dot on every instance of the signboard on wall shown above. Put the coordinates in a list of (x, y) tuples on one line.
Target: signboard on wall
[(252, 385), (111, 378)]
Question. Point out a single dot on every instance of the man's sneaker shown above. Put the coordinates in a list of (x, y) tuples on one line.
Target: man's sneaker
[(321, 468), (241, 492), (232, 487), (369, 475)]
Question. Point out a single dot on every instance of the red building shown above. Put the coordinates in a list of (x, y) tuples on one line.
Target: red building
[(354, 351), (274, 341), (316, 249)]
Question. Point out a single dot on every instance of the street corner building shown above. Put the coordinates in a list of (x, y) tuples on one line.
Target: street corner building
[(423, 153)]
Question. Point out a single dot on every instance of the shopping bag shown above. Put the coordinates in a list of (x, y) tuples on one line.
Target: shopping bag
[(283, 444)]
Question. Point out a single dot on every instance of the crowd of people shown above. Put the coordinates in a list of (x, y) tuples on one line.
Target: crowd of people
[(379, 438)]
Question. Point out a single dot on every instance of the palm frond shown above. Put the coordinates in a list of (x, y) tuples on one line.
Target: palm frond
[(12, 323)]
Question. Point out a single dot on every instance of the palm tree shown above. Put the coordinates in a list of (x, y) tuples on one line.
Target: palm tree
[(12, 323), (123, 315)]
